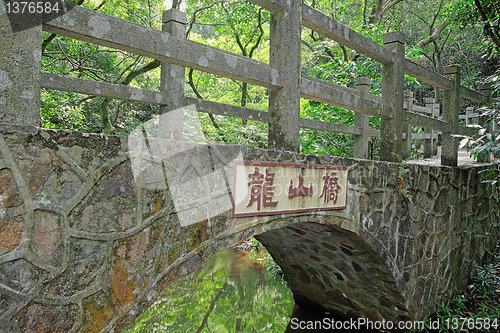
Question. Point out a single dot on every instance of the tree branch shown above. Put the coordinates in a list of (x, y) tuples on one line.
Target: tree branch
[(195, 14), (199, 96), (436, 14), (345, 52), (49, 39), (434, 35), (388, 6), (191, 84), (315, 52), (106, 124), (257, 42), (100, 5), (136, 60), (309, 46), (375, 13), (141, 70), (491, 33), (107, 127), (330, 52)]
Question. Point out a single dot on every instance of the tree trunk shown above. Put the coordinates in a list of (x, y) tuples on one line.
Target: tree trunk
[(106, 124), (244, 91)]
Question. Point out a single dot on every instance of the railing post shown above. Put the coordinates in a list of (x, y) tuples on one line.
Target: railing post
[(428, 143), (172, 79), (485, 90), (468, 115), (408, 99), (362, 121), (435, 137), (20, 67), (284, 104), (391, 144), (451, 108), (468, 119)]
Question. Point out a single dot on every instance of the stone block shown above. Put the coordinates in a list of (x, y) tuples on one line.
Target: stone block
[(10, 233), (19, 275), (98, 312), (46, 242), (9, 194), (86, 266), (38, 318)]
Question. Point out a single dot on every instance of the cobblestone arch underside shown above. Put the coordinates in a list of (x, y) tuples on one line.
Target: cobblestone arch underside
[(333, 269)]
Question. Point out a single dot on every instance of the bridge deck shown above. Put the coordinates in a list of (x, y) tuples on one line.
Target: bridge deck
[(464, 158)]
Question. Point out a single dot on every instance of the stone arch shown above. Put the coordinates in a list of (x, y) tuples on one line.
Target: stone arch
[(334, 270)]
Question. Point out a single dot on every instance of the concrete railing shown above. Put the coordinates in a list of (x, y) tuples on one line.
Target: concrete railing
[(281, 76), (469, 115), (429, 136)]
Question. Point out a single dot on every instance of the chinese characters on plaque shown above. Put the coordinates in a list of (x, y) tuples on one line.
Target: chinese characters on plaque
[(263, 188)]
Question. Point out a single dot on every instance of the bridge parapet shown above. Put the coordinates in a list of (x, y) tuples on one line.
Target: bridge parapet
[(85, 247)]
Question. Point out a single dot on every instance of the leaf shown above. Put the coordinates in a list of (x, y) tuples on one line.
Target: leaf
[(463, 142)]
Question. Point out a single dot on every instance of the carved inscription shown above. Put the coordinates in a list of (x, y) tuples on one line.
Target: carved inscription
[(263, 188)]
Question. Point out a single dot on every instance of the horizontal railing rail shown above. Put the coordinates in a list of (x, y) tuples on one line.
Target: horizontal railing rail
[(101, 29)]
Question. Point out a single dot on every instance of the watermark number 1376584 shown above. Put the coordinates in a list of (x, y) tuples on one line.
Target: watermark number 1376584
[(32, 7)]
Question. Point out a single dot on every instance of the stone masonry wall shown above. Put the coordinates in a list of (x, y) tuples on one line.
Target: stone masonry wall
[(85, 246)]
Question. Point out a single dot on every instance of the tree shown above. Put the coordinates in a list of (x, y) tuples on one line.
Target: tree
[(380, 8), (490, 14), (239, 27)]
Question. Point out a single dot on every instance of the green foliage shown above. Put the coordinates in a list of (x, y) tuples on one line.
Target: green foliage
[(231, 292), (238, 27), (402, 170), (477, 306), (468, 14), (483, 278), (255, 243), (233, 131), (71, 57), (488, 232), (59, 111), (322, 142), (486, 143)]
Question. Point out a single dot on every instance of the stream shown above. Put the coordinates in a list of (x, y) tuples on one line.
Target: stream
[(237, 290)]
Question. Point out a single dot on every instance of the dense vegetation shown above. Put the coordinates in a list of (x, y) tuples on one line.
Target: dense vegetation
[(438, 34)]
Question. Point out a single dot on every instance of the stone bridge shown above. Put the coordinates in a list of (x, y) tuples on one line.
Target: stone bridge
[(86, 245)]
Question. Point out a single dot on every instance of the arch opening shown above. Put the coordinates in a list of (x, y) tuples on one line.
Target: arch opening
[(334, 270)]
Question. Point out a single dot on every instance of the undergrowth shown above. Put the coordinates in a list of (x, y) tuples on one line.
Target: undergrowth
[(477, 308)]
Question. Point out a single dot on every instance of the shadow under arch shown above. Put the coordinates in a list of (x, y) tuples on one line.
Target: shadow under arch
[(332, 269)]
